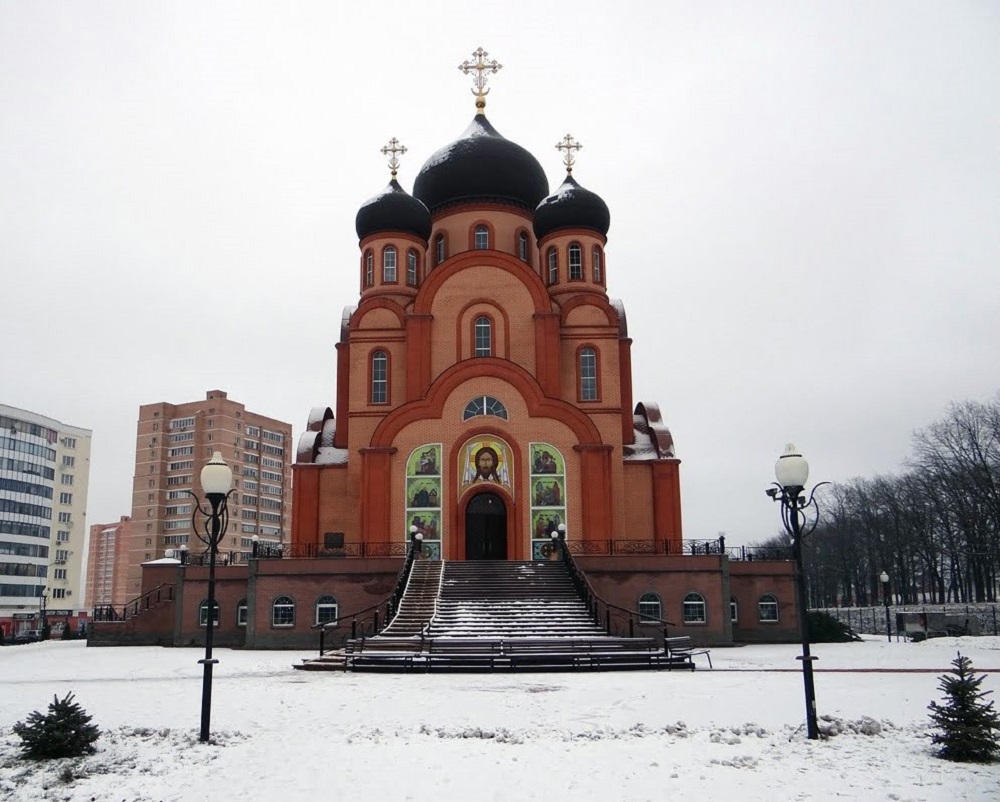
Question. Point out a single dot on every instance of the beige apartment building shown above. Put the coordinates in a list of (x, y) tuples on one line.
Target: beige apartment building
[(173, 442), (44, 476)]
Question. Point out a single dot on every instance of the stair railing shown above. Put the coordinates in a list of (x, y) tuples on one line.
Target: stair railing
[(151, 598)]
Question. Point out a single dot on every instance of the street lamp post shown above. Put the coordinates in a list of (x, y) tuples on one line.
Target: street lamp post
[(44, 629), (217, 484), (792, 472), (416, 542), (884, 578)]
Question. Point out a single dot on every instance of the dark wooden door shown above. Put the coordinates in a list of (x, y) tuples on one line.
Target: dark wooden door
[(486, 528)]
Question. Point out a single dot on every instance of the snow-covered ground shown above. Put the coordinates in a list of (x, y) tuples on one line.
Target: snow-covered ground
[(735, 732)]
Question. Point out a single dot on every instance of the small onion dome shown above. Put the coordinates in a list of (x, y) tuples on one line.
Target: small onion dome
[(481, 166), (572, 206), (393, 210)]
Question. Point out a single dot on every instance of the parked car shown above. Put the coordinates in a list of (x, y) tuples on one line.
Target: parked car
[(27, 636)]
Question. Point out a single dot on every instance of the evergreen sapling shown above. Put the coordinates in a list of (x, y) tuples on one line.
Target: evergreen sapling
[(969, 727), (65, 731)]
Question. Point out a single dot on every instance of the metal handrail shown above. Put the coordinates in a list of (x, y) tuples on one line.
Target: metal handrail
[(106, 612)]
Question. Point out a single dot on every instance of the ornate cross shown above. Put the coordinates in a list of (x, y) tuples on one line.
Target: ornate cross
[(391, 150), (568, 144), (480, 66)]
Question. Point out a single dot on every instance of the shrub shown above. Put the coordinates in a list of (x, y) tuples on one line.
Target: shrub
[(969, 726), (824, 628), (65, 731)]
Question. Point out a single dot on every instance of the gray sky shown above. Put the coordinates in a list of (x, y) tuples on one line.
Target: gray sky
[(805, 208)]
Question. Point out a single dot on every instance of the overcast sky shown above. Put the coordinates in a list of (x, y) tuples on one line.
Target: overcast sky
[(805, 208)]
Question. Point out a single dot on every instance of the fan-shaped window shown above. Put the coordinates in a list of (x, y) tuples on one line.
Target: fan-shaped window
[(369, 268), (767, 609), (203, 614), (649, 609), (734, 610), (411, 267), (484, 336), (389, 265), (598, 271), (575, 263), (241, 613), (588, 374), (553, 259), (693, 609), (326, 609), (380, 378), (522, 247), (439, 253), (482, 238), (484, 405), (283, 612)]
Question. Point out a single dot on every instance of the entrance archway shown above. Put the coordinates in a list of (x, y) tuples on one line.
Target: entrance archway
[(486, 527)]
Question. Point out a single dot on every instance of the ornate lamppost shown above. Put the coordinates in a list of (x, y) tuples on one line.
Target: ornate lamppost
[(416, 542), (217, 484), (792, 472), (884, 579)]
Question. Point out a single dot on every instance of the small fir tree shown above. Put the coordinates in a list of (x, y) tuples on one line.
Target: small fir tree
[(65, 731), (969, 727)]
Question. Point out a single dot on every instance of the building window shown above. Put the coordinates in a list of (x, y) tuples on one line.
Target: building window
[(326, 610), (380, 378), (68, 461), (241, 613), (649, 609), (767, 609), (439, 252), (66, 479), (484, 405), (553, 259), (369, 269), (69, 442), (203, 614), (598, 271), (484, 336), (693, 609), (522, 247), (389, 265), (283, 612), (411, 267), (588, 374), (481, 239), (65, 498), (575, 263)]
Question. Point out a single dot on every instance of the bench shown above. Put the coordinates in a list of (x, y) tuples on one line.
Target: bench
[(682, 648)]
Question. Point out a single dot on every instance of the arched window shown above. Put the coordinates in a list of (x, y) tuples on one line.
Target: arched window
[(575, 263), (649, 609), (411, 268), (598, 271), (481, 239), (734, 610), (439, 253), (693, 609), (241, 613), (553, 258), (588, 374), (326, 609), (484, 405), (767, 609), (389, 265), (380, 378), (203, 614), (283, 612), (369, 269), (484, 336), (522, 247)]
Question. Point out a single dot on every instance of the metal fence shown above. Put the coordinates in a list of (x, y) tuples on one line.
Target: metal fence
[(872, 621)]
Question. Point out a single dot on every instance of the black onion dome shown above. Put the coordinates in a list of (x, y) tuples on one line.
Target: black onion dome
[(481, 166), (393, 210), (572, 206)]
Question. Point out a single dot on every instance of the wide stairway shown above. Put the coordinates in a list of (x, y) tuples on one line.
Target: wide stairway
[(493, 616)]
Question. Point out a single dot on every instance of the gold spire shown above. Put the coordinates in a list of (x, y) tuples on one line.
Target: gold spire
[(568, 144), (480, 66), (391, 150)]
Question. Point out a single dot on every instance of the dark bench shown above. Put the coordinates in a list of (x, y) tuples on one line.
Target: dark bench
[(682, 648)]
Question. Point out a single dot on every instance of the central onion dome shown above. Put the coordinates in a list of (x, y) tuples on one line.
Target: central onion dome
[(393, 210), (481, 166)]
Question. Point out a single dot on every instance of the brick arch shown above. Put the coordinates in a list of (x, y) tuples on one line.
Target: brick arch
[(515, 528), (594, 300), (376, 303), (432, 405), (436, 279)]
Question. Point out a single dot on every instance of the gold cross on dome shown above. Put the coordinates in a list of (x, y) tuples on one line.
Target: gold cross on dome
[(391, 150), (568, 144), (480, 67)]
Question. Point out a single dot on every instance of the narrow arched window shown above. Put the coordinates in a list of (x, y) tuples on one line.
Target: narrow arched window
[(326, 609), (522, 247), (439, 254), (649, 609), (588, 374), (767, 609), (241, 613), (380, 378), (283, 612), (482, 238), (575, 263), (484, 336), (203, 614), (389, 265), (411, 267), (553, 258), (734, 610), (693, 609), (598, 268), (369, 268)]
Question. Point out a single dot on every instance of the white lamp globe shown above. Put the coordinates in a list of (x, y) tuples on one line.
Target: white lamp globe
[(216, 476), (791, 469)]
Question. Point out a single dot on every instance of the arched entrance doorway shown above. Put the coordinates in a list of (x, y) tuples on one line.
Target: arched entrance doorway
[(486, 528)]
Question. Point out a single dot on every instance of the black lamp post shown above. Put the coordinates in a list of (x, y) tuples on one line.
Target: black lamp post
[(416, 541), (44, 630), (217, 483), (884, 579), (792, 471)]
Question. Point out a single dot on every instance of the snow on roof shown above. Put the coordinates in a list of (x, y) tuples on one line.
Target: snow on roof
[(328, 455), (643, 448)]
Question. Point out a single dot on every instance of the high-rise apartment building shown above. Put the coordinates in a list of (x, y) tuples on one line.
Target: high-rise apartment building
[(107, 563), (44, 475), (173, 442)]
